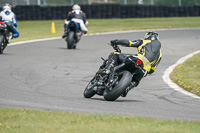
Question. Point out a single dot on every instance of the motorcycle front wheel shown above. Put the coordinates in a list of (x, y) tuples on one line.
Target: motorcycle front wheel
[(124, 79), (89, 92)]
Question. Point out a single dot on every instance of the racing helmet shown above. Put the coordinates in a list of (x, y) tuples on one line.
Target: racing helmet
[(6, 9), (7, 4), (76, 7), (151, 36)]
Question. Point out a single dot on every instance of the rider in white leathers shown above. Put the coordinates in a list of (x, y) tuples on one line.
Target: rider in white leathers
[(77, 16), (9, 18), (7, 4)]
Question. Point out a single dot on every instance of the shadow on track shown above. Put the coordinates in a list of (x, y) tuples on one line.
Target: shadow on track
[(119, 100)]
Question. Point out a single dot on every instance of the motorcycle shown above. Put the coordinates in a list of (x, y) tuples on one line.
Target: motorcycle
[(74, 35), (111, 86), (4, 36)]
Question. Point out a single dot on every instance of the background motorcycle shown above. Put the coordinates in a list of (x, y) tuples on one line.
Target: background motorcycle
[(4, 36), (74, 35), (112, 85)]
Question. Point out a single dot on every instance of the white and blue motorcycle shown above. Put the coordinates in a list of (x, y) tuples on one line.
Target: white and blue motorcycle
[(73, 34)]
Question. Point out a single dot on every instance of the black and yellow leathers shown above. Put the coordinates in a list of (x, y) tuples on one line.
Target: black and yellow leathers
[(149, 51)]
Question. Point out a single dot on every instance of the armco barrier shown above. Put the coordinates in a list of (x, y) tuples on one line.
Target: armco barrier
[(104, 11)]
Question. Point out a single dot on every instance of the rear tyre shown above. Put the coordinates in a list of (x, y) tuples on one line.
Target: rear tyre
[(70, 40), (74, 47), (1, 44), (123, 82)]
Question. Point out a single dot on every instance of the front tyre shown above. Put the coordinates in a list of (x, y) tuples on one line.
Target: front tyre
[(89, 92), (124, 79), (70, 40)]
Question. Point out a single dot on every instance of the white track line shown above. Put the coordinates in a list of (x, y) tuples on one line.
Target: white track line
[(165, 77), (105, 33), (171, 83), (31, 41)]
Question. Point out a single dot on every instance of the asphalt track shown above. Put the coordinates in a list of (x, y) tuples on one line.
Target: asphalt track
[(46, 75)]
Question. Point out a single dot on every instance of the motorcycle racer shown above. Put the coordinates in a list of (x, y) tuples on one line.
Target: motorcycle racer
[(8, 17), (148, 56), (77, 16), (7, 4)]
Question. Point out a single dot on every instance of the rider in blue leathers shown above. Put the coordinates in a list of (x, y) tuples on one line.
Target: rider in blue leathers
[(10, 19)]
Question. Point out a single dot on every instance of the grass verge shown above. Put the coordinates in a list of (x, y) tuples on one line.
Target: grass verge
[(42, 29), (187, 75), (32, 121)]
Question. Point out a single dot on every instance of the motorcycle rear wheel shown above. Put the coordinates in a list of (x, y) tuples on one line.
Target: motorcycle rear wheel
[(123, 82), (70, 40), (1, 44)]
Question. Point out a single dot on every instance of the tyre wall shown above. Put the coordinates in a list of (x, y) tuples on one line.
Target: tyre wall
[(100, 11)]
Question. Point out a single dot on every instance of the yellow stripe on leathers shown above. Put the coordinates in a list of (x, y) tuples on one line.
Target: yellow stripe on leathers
[(130, 43), (116, 52), (53, 29), (146, 63)]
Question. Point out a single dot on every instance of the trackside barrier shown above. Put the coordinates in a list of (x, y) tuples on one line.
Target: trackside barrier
[(104, 11)]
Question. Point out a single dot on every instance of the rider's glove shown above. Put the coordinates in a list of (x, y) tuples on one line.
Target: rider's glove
[(117, 49), (113, 42)]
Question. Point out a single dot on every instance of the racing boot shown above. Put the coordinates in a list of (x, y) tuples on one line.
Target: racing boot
[(9, 38), (108, 66), (65, 34), (65, 31), (84, 32), (131, 86)]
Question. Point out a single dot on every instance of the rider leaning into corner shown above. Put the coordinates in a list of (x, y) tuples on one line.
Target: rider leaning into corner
[(77, 16), (9, 18), (149, 55)]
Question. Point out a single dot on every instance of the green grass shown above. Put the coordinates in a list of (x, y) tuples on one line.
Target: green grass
[(42, 29), (187, 75), (35, 121)]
